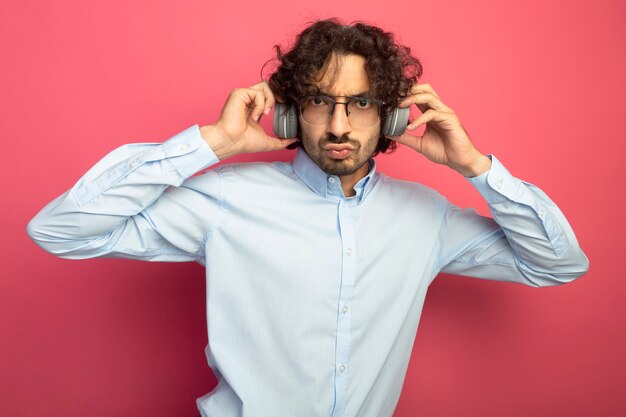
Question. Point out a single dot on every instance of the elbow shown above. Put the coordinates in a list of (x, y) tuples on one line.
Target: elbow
[(36, 231), (65, 240), (575, 266), (61, 232), (33, 230), (580, 265), (44, 236), (571, 267)]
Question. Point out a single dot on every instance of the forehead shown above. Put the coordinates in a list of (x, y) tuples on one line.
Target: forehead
[(342, 75)]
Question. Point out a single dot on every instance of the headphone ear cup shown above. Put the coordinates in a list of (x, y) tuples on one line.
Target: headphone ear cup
[(397, 121), (285, 121)]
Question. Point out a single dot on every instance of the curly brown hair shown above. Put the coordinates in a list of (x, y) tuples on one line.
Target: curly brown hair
[(391, 68)]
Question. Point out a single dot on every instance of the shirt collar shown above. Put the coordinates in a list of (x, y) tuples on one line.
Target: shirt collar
[(329, 186)]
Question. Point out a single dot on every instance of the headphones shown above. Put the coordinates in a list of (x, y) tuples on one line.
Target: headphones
[(286, 121)]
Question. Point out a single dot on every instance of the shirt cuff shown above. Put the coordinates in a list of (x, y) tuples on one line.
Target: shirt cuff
[(188, 152), (497, 185)]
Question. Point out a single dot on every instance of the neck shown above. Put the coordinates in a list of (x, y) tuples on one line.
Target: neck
[(349, 181)]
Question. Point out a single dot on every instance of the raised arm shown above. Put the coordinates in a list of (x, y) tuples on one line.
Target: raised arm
[(140, 202), (528, 241), (118, 208)]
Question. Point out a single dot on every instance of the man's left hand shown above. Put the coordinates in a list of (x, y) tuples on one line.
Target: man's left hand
[(444, 140)]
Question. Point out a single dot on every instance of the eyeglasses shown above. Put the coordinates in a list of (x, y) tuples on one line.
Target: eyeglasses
[(362, 112)]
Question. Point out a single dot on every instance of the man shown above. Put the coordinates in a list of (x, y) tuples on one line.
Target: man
[(316, 269)]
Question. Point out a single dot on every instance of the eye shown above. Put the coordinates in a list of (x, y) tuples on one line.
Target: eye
[(363, 103), (317, 101)]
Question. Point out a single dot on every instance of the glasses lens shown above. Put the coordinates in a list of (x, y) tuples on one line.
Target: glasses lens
[(316, 110), (362, 112)]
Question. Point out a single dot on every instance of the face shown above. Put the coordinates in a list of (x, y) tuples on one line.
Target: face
[(338, 148)]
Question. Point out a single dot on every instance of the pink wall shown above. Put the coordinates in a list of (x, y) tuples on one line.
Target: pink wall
[(538, 83)]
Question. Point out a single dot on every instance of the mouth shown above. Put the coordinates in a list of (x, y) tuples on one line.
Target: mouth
[(338, 151), (343, 154)]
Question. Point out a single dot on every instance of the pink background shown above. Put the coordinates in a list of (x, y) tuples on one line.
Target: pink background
[(540, 84)]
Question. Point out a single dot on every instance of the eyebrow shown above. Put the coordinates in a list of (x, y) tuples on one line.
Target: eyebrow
[(361, 94)]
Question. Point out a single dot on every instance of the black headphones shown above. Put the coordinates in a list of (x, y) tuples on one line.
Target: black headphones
[(286, 121)]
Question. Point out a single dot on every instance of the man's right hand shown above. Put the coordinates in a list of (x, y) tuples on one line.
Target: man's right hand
[(238, 130)]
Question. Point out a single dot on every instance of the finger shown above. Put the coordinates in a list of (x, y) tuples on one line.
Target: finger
[(269, 96), (423, 88), (256, 100), (428, 116), (242, 101), (411, 141), (424, 101)]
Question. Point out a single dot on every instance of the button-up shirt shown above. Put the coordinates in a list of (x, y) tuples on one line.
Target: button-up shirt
[(313, 298)]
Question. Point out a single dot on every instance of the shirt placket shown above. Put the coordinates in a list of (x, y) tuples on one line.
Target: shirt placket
[(348, 268)]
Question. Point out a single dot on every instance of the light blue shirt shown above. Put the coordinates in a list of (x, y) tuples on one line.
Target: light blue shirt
[(313, 299)]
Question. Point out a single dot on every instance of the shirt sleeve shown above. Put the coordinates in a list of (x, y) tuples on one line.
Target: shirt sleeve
[(528, 240), (130, 204)]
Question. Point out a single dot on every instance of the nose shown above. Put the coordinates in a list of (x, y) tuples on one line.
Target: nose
[(339, 124)]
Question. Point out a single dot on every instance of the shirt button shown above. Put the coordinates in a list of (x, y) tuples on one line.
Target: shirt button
[(349, 251), (331, 180), (184, 147), (499, 184), (133, 162), (342, 368), (345, 309)]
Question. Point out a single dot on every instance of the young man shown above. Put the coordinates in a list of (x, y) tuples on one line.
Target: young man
[(316, 269)]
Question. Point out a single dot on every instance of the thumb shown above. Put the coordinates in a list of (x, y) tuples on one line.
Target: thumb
[(414, 142), (276, 144)]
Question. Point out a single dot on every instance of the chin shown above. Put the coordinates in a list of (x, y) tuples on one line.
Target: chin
[(340, 166)]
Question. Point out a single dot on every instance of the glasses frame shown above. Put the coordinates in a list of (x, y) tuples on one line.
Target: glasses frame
[(333, 101)]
